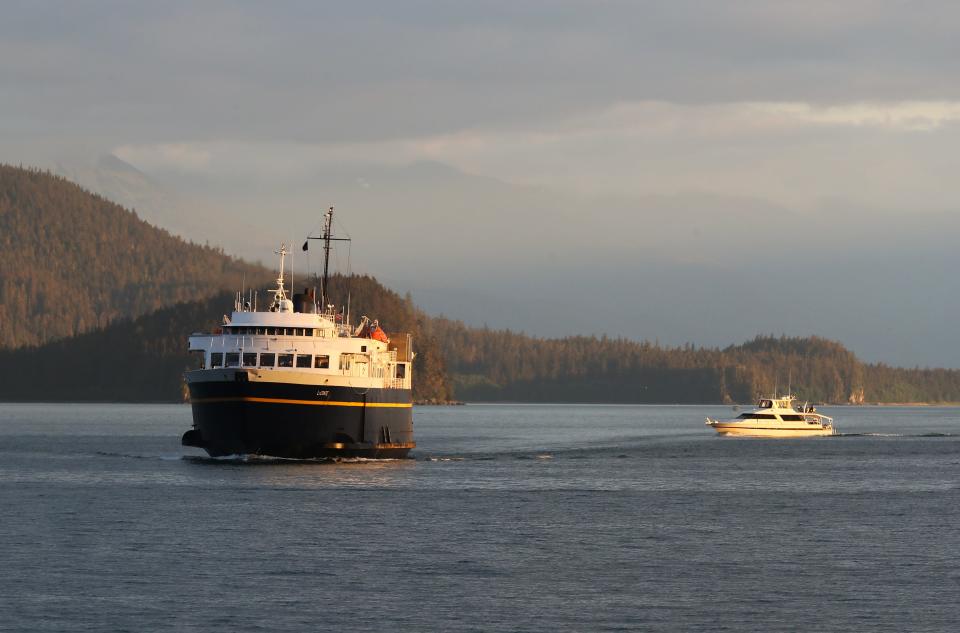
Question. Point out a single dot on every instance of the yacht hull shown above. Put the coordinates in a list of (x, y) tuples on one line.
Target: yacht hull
[(239, 416), (755, 431)]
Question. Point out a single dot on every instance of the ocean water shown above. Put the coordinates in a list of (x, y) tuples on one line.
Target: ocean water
[(507, 518)]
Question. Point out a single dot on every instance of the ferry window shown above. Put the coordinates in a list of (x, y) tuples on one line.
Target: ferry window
[(321, 362), (363, 348), (284, 360), (344, 362), (267, 360), (233, 359), (272, 331), (260, 331), (303, 360), (216, 359), (288, 331), (250, 359), (316, 332), (401, 371)]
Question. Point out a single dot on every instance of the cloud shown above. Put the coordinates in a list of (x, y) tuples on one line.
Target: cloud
[(793, 153), (908, 116)]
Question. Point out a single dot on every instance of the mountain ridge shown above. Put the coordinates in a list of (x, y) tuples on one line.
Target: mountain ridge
[(74, 261)]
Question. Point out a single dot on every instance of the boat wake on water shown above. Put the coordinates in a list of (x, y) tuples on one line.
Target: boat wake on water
[(895, 435)]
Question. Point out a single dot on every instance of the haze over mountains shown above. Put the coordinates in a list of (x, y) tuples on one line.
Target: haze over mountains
[(680, 268), (95, 304)]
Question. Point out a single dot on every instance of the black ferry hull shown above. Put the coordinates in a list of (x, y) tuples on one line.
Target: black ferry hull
[(236, 414)]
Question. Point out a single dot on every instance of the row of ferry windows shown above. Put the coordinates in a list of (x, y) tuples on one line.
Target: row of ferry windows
[(272, 331), (268, 359)]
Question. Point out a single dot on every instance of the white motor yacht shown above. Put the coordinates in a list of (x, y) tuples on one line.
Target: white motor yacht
[(776, 417)]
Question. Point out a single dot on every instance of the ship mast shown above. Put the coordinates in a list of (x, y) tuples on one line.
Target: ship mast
[(279, 293), (327, 237), (327, 222)]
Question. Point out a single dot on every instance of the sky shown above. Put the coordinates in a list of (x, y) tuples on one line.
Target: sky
[(675, 171)]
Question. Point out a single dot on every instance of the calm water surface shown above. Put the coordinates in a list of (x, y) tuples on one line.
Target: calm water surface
[(509, 518)]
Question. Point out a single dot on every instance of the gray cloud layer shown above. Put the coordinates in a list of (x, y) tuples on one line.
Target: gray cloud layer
[(320, 72)]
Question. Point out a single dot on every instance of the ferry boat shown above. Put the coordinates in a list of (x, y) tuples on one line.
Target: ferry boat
[(297, 381), (776, 417)]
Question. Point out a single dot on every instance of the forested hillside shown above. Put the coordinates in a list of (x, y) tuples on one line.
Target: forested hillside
[(143, 359), (502, 365), (72, 262)]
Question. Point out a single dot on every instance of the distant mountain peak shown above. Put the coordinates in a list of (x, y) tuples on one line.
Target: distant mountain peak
[(112, 163)]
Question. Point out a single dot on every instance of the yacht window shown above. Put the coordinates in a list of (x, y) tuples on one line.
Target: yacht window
[(267, 360), (216, 359), (401, 370), (757, 416), (303, 360), (249, 359), (787, 417), (233, 359), (284, 360)]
